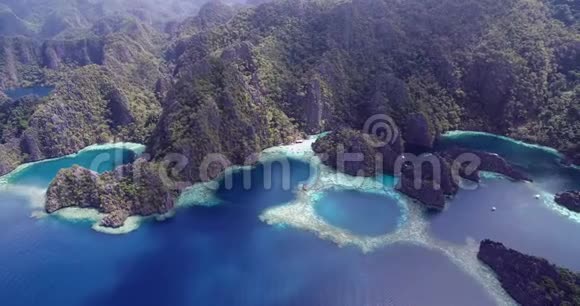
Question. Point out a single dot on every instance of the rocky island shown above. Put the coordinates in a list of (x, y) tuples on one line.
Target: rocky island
[(569, 199), (135, 189), (530, 280)]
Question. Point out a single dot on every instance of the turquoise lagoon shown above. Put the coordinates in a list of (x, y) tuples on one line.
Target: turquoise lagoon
[(225, 255)]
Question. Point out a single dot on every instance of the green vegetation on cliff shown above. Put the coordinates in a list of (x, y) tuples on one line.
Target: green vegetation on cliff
[(106, 89), (507, 67), (236, 80), (531, 280), (136, 189)]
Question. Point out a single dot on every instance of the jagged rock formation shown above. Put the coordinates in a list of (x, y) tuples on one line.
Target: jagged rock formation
[(530, 280), (105, 90), (358, 154), (569, 199), (49, 19), (419, 136), (428, 178), (90, 106), (135, 189), (115, 42), (218, 106)]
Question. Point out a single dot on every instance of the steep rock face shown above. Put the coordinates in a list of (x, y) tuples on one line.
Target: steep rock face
[(212, 14), (430, 177), (530, 280), (314, 106), (427, 192), (115, 219), (48, 19), (119, 108), (111, 96), (15, 114), (427, 178), (357, 153), (378, 70), (91, 105), (74, 187), (11, 157), (18, 57), (217, 106), (418, 133), (83, 52), (135, 189), (569, 199)]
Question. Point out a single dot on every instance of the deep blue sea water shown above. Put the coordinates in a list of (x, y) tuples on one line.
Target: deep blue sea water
[(17, 93), (224, 255)]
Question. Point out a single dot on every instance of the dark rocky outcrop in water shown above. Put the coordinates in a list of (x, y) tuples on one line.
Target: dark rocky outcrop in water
[(135, 189), (437, 177), (115, 219), (569, 199), (428, 179), (530, 280), (426, 191), (489, 162)]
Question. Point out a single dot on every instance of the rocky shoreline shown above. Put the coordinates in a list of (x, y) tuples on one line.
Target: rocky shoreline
[(365, 155), (530, 280), (134, 189), (569, 199)]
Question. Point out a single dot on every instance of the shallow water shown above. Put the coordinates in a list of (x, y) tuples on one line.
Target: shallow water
[(360, 213), (99, 160), (225, 255), (17, 93), (534, 226), (219, 255)]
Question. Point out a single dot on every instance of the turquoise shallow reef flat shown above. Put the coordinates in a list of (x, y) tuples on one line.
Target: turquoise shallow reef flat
[(267, 245), (99, 158)]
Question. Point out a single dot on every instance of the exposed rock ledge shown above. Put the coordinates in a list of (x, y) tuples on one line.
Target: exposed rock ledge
[(134, 189), (530, 280), (569, 199)]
